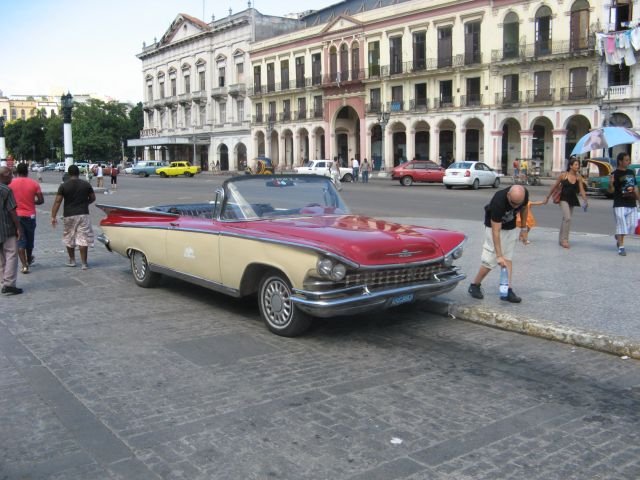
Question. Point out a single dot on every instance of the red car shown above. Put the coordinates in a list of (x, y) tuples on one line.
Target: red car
[(290, 241), (418, 171)]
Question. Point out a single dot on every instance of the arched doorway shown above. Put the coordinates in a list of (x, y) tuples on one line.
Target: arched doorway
[(223, 153), (260, 143), (287, 137), (347, 134), (319, 151), (542, 143), (376, 147), (620, 120), (473, 140), (577, 127), (510, 144), (398, 143), (446, 142), (241, 157), (421, 139), (303, 146)]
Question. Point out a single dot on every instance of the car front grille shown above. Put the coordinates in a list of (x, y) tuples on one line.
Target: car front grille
[(390, 277)]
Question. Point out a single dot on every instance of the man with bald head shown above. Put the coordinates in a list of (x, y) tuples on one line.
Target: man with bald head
[(10, 233), (500, 236)]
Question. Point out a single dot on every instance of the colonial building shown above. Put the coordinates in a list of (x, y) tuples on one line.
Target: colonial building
[(388, 81), (194, 81)]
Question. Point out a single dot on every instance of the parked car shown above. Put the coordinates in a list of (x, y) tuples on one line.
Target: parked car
[(599, 184), (146, 168), (35, 166), (82, 166), (291, 241), (50, 167), (60, 167), (418, 171), (471, 175), (175, 169), (321, 167)]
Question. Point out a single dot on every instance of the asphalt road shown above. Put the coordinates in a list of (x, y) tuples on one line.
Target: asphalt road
[(381, 197), (101, 379)]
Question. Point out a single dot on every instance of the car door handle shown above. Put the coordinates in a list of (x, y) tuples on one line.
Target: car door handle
[(174, 224)]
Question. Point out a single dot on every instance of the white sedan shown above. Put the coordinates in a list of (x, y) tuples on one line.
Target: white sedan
[(470, 174)]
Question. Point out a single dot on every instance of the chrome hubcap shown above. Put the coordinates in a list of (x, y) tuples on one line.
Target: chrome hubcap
[(277, 303), (139, 265)]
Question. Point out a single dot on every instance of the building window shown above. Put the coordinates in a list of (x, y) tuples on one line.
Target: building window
[(317, 106), (473, 91), (272, 111), (203, 114), (472, 43), (619, 76), (543, 31), (316, 69), (510, 36), (239, 72), (161, 88), (579, 26), (299, 72), (174, 89), (333, 64), (202, 80), (542, 86), (374, 59), (240, 110), (620, 14), (302, 108), (446, 93), (151, 120), (397, 100), (14, 114), (174, 117), (578, 83), (395, 55), (149, 92), (284, 75), (187, 117), (257, 80), (419, 51), (222, 108), (510, 88), (374, 100), (344, 62), (221, 77), (355, 61), (271, 77), (444, 47), (258, 113), (286, 110), (420, 94), (187, 84)]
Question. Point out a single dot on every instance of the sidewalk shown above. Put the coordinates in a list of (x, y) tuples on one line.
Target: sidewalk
[(586, 295)]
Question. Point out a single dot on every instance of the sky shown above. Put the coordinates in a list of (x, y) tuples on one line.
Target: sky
[(90, 46)]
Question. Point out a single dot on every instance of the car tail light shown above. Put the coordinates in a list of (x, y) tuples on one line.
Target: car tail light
[(467, 173)]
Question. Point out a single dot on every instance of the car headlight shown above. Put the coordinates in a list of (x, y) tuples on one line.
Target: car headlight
[(324, 267), (338, 272), (455, 254)]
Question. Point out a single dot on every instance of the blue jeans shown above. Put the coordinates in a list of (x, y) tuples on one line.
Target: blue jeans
[(365, 176), (28, 232), (355, 174)]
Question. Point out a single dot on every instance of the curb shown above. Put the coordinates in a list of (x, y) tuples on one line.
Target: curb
[(613, 344)]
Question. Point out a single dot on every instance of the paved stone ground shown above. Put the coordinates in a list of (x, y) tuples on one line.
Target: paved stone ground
[(101, 379)]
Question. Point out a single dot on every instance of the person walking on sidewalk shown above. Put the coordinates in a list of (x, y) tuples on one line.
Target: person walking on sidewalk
[(366, 169), (355, 166), (114, 177), (77, 195), (571, 184), (28, 194), (622, 184), (10, 235), (500, 236), (99, 176)]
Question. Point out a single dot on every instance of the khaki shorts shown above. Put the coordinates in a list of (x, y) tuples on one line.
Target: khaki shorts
[(77, 231), (508, 240)]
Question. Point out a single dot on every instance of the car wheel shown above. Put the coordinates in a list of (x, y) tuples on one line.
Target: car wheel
[(188, 174), (277, 309), (449, 187), (496, 183), (347, 178), (163, 175), (476, 184), (142, 174), (142, 274), (146, 175), (406, 181)]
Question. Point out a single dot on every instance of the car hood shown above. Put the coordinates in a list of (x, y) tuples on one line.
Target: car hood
[(363, 240)]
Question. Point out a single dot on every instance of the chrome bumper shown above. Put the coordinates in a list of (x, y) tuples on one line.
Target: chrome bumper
[(360, 299), (102, 238)]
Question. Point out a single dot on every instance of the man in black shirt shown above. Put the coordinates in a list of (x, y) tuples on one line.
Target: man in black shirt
[(622, 183), (77, 195), (500, 235)]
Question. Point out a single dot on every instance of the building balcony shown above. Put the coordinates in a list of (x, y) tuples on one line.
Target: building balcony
[(546, 48), (618, 92), (237, 90), (509, 99), (184, 98), (219, 92), (301, 115), (577, 93), (395, 106), (541, 96), (317, 113), (258, 119), (285, 116), (199, 97), (419, 105), (445, 101), (471, 100), (373, 107)]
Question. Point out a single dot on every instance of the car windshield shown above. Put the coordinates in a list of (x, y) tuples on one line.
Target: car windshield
[(461, 165), (255, 197)]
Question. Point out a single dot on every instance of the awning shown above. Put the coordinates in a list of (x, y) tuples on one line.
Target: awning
[(154, 141)]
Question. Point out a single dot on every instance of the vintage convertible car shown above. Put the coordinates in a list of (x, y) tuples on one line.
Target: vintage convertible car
[(291, 240)]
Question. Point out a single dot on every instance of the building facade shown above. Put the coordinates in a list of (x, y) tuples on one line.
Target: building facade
[(194, 81), (15, 107), (491, 81)]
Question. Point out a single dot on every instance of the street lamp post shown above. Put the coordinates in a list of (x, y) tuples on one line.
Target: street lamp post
[(67, 106), (383, 119)]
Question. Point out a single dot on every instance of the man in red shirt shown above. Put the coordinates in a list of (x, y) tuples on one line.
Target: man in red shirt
[(28, 194)]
